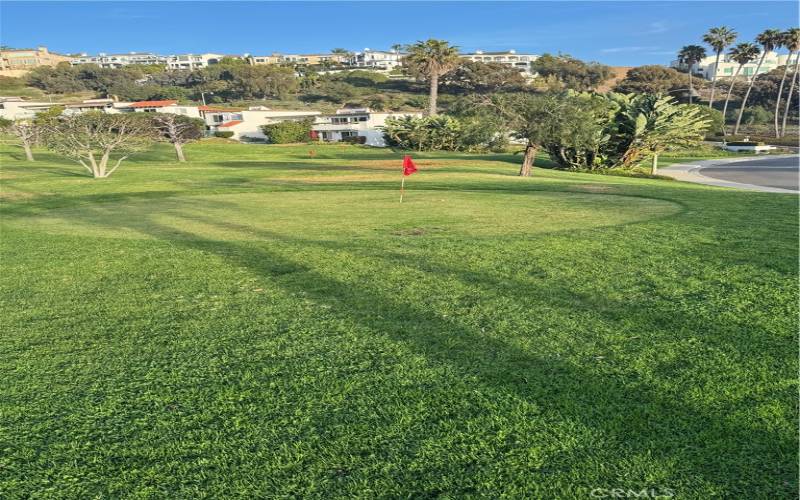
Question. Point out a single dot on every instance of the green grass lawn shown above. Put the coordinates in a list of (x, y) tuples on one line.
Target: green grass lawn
[(269, 322)]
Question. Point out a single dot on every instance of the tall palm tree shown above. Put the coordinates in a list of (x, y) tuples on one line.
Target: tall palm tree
[(431, 59), (691, 55), (396, 48), (742, 53), (791, 40), (769, 41), (719, 39)]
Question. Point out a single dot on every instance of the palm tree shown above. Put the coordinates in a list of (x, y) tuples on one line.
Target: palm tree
[(431, 59), (691, 55), (769, 40), (719, 39), (396, 48), (743, 53), (791, 40)]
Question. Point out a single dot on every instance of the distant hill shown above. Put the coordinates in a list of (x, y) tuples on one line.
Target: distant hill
[(618, 72)]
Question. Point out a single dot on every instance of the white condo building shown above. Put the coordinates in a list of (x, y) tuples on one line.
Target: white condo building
[(119, 60), (193, 61), (377, 59), (355, 122), (707, 67), (511, 58)]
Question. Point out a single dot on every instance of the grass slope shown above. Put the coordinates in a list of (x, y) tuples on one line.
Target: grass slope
[(268, 321)]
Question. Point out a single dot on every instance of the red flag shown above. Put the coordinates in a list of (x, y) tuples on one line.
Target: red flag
[(408, 165)]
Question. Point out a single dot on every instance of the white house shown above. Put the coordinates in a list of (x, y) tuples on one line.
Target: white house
[(15, 108), (356, 122), (522, 62), (246, 124), (707, 66), (377, 59), (119, 60), (193, 61)]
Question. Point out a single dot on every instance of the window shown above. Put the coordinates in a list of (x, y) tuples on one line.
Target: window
[(349, 133), (728, 71)]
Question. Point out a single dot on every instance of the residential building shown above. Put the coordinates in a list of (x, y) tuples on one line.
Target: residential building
[(119, 60), (103, 105), (522, 62), (21, 61), (163, 106), (299, 59), (377, 59), (707, 67), (246, 124), (193, 61), (355, 122), (259, 60), (16, 108)]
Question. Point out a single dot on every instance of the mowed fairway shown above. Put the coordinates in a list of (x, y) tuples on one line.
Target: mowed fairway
[(269, 322)]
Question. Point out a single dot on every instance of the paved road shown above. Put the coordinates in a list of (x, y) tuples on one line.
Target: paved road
[(783, 173)]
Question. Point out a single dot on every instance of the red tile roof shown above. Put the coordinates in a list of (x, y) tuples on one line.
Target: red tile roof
[(152, 104), (230, 123)]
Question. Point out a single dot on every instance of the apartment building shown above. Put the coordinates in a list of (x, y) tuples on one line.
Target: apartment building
[(377, 59), (299, 59), (193, 61), (246, 124), (23, 60), (522, 62), (707, 67), (119, 60), (16, 108), (355, 122)]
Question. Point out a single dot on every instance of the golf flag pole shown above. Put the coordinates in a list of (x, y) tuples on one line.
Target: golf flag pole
[(408, 169)]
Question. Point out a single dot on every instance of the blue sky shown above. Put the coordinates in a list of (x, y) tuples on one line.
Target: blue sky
[(616, 33)]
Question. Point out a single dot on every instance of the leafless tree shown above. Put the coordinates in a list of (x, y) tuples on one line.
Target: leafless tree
[(91, 139), (178, 130), (26, 131)]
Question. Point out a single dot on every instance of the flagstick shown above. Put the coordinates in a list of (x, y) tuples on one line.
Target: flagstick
[(402, 187)]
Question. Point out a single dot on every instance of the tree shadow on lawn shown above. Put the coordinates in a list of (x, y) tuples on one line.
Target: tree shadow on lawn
[(635, 418)]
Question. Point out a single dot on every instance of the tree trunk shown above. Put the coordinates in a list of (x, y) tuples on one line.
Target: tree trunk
[(527, 160), (28, 152), (780, 92), (747, 94), (93, 165), (434, 94), (654, 167), (789, 95), (101, 168), (179, 152), (728, 98), (714, 81)]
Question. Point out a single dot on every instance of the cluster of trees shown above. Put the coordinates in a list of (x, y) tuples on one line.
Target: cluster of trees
[(100, 142), (722, 38), (586, 131), (231, 79)]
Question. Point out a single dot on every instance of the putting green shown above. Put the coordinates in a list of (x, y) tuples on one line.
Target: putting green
[(333, 214)]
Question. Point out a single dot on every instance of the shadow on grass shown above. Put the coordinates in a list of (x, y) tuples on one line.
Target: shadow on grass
[(634, 417)]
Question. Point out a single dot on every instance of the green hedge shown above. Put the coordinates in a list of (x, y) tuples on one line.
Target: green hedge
[(288, 132), (227, 134)]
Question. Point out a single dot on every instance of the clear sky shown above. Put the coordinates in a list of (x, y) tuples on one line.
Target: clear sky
[(616, 33)]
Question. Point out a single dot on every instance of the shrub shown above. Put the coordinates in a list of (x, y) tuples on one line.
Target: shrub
[(288, 132), (227, 134), (358, 139)]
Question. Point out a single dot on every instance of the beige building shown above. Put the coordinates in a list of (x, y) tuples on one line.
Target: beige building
[(23, 60), (309, 59), (522, 62)]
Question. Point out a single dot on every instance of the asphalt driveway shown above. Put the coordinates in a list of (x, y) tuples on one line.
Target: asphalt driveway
[(782, 172)]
